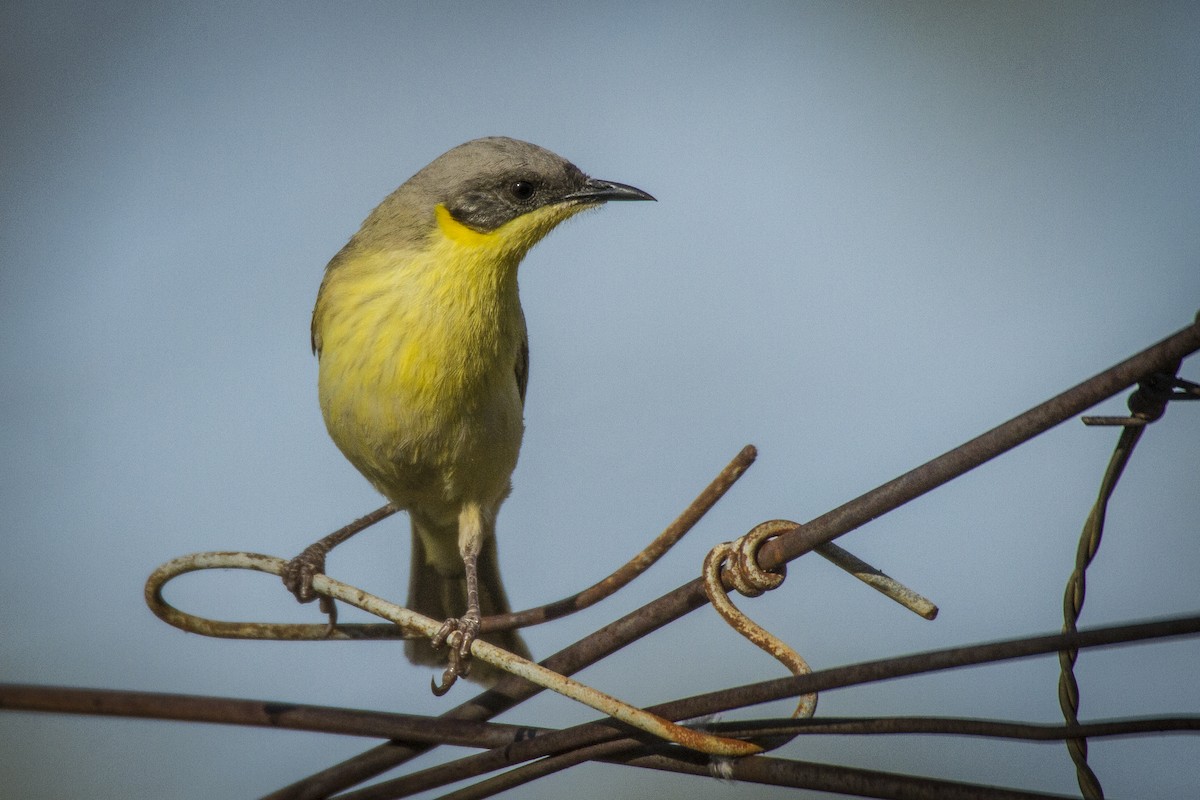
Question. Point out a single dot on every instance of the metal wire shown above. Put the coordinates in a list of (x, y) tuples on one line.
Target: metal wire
[(797, 774), (332, 631), (610, 740), (639, 563), (983, 448), (740, 558), (1089, 544), (260, 713), (952, 726), (424, 626), (764, 770), (1147, 404), (415, 625), (314, 557), (825, 528), (556, 749), (415, 727), (277, 714)]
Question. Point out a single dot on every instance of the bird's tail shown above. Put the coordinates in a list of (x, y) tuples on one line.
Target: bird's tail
[(437, 588)]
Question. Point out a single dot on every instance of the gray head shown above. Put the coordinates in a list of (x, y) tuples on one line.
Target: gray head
[(486, 183)]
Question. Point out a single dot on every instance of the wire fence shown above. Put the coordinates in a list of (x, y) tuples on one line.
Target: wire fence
[(655, 738)]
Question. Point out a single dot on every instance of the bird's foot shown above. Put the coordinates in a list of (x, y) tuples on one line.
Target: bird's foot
[(298, 578), (458, 634)]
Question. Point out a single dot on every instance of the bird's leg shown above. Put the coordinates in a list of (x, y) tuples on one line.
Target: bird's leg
[(461, 632), (298, 573)]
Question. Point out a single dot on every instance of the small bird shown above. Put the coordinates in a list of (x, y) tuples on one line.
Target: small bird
[(424, 360)]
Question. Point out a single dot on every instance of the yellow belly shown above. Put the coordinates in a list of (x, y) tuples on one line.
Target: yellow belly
[(417, 375)]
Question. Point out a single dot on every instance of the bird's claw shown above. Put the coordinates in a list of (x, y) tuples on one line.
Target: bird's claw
[(298, 578), (458, 668), (458, 634)]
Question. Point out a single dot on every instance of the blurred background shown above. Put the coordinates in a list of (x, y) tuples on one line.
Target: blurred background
[(882, 229)]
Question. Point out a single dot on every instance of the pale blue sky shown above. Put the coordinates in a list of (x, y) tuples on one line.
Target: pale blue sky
[(881, 230)]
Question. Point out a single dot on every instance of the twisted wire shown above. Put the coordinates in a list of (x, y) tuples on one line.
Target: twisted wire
[(1147, 404)]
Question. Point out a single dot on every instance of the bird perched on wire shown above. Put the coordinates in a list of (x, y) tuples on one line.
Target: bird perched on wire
[(424, 361)]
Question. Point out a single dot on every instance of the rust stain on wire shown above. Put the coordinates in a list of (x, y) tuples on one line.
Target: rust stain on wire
[(829, 526), (740, 561), (561, 749), (416, 624), (1154, 367)]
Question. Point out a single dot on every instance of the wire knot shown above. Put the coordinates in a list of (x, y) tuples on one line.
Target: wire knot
[(1149, 401), (740, 562), (741, 559)]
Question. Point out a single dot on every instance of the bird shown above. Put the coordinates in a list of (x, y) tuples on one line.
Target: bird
[(423, 363)]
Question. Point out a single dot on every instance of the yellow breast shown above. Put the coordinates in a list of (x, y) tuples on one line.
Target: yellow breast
[(411, 326), (418, 351)]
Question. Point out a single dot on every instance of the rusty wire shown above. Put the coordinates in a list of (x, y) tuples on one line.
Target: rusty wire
[(679, 527), (332, 631), (983, 448), (825, 528), (796, 774), (753, 769), (1147, 405), (410, 624), (314, 555), (515, 743), (259, 713), (715, 490), (957, 726), (418, 727), (419, 624), (768, 771), (604, 741), (370, 723), (557, 749), (740, 559)]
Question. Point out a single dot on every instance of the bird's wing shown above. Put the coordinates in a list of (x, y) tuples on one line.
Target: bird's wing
[(522, 366), (314, 335)]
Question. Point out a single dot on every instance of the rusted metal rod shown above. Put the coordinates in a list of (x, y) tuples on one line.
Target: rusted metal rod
[(858, 782), (982, 448), (559, 749), (763, 770), (383, 725), (639, 563), (511, 691), (259, 713), (954, 726)]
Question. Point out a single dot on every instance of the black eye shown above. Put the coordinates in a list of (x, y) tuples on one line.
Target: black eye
[(522, 190)]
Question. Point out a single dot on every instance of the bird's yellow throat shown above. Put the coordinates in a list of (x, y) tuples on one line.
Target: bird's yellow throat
[(515, 236), (404, 334)]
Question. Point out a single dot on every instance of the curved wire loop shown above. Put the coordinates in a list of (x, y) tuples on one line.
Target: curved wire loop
[(411, 624), (740, 562)]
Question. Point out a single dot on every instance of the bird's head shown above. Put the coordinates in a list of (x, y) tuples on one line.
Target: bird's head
[(499, 193)]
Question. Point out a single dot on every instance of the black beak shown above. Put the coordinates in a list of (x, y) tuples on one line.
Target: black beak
[(598, 191)]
